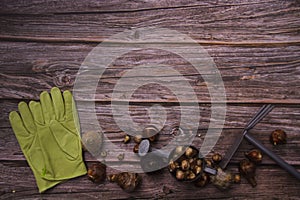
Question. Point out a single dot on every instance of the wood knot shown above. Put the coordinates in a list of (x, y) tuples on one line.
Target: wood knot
[(251, 77), (63, 79), (62, 72)]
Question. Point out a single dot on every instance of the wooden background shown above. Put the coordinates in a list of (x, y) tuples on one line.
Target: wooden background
[(255, 45)]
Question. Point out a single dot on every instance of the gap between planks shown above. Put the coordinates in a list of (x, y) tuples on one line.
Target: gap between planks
[(96, 40)]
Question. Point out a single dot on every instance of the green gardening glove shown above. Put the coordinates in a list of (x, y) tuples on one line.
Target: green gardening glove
[(48, 133)]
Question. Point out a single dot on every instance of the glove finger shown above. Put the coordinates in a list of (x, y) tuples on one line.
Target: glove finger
[(70, 109), (23, 136), (27, 117), (47, 107), (37, 113), (68, 104), (58, 103)]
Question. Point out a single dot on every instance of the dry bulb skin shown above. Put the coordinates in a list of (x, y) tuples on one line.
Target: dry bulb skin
[(173, 166), (190, 152), (247, 169), (278, 137), (127, 181), (190, 175), (222, 179), (237, 178), (202, 181), (137, 139), (136, 148), (197, 169), (153, 138), (216, 158), (151, 132), (208, 163), (112, 177), (187, 166), (180, 175), (254, 155), (97, 172), (127, 139)]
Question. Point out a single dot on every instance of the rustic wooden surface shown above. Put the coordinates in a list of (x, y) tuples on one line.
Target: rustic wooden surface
[(255, 45)]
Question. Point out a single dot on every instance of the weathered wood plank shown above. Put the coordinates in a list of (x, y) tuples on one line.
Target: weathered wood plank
[(237, 116), (279, 185), (24, 57), (249, 74), (289, 152), (237, 23), (50, 7), (255, 45)]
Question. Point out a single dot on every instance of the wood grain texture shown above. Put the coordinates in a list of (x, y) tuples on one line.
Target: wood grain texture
[(165, 187), (233, 22), (269, 74), (254, 44), (279, 118)]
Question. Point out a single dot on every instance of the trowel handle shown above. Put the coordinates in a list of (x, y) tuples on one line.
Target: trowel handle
[(272, 155), (210, 170)]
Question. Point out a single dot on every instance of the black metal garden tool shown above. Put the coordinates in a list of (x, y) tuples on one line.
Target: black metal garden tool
[(257, 118)]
